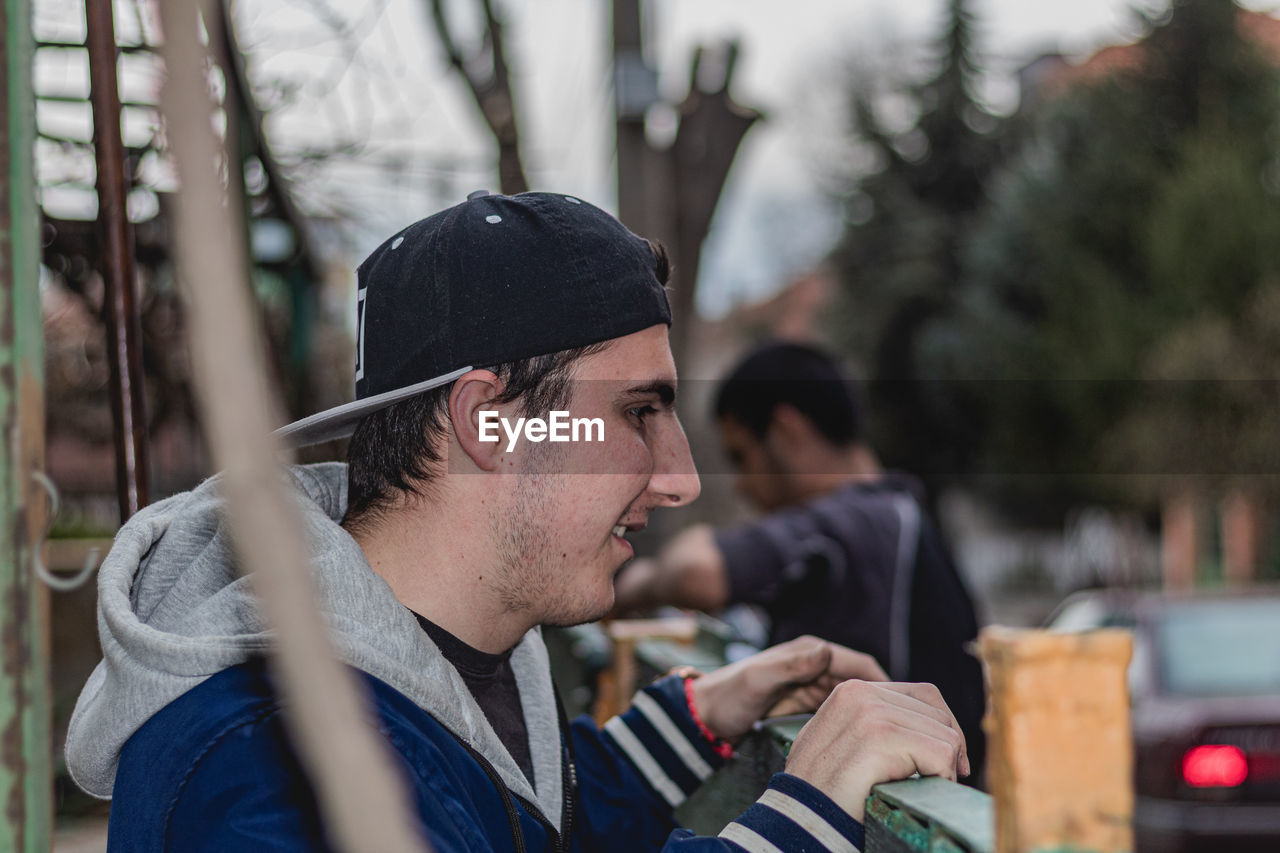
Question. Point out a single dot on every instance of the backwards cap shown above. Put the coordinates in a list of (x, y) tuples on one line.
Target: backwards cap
[(492, 280)]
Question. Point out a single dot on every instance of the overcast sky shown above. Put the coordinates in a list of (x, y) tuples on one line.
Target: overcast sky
[(384, 86), (397, 95)]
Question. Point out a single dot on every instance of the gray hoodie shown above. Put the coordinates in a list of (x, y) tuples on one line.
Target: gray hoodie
[(172, 611)]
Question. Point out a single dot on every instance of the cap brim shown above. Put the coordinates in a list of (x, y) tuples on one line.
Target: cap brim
[(340, 421)]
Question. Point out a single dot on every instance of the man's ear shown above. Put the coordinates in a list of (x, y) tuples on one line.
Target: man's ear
[(474, 394), (789, 426)]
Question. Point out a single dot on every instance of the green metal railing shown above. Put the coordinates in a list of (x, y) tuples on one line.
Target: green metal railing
[(25, 766), (929, 816), (914, 816)]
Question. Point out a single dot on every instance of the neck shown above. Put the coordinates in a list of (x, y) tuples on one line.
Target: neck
[(831, 468), (440, 564), (861, 465)]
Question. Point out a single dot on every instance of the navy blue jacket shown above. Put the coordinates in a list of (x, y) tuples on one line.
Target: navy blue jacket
[(214, 771)]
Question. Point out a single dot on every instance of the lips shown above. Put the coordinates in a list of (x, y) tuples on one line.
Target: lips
[(622, 528), (619, 538)]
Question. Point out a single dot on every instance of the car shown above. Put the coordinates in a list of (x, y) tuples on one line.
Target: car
[(1205, 688)]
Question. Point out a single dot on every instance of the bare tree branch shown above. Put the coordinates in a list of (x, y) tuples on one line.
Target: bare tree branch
[(712, 125), (490, 91)]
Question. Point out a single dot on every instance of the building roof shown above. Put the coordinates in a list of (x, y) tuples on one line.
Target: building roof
[(1050, 75)]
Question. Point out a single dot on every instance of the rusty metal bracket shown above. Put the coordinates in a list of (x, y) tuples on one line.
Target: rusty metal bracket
[(54, 582)]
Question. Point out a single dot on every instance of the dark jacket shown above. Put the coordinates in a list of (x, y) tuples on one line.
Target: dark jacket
[(179, 724), (864, 566)]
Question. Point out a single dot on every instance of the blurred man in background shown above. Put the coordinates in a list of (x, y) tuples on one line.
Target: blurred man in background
[(845, 550)]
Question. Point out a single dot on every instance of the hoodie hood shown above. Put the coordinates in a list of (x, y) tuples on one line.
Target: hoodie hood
[(173, 610)]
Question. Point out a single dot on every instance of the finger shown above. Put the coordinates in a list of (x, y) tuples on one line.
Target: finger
[(846, 663), (858, 697), (925, 699), (928, 726), (796, 662), (804, 659), (801, 700), (805, 698), (933, 752)]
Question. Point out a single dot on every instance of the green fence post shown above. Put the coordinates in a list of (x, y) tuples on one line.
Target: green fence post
[(25, 767)]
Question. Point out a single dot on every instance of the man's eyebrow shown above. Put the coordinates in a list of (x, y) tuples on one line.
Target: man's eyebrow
[(665, 391)]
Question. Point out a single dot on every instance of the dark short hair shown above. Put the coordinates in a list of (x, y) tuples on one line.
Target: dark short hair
[(396, 451), (803, 376)]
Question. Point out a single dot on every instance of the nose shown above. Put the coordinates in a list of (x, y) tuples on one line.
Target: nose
[(675, 479)]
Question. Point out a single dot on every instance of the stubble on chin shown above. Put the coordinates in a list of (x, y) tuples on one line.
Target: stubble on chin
[(531, 576)]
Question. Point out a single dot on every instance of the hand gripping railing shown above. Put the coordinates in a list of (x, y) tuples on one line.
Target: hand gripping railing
[(1058, 702)]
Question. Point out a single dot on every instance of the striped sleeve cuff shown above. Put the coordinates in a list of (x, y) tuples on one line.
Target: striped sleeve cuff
[(658, 735), (794, 815)]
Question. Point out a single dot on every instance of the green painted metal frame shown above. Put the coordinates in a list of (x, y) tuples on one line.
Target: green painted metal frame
[(25, 755), (929, 815)]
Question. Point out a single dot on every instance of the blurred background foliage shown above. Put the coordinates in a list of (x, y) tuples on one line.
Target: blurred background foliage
[(1088, 287)]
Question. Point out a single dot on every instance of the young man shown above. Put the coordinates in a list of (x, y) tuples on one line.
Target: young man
[(438, 552), (845, 551)]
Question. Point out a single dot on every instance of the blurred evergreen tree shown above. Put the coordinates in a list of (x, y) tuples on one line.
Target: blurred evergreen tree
[(899, 259), (1138, 219)]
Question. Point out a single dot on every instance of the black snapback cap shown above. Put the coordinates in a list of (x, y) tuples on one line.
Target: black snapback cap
[(491, 280)]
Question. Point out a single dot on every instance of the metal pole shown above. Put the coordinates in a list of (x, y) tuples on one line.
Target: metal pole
[(634, 90), (124, 327), (26, 787)]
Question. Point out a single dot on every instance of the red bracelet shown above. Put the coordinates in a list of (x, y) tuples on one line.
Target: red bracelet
[(722, 747)]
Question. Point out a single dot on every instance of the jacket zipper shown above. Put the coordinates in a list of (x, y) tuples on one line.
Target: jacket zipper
[(513, 817), (569, 779), (569, 770), (568, 776)]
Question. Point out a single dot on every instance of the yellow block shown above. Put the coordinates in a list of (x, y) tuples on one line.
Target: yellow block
[(1060, 751)]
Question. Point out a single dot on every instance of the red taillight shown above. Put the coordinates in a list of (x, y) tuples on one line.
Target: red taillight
[(1215, 766)]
